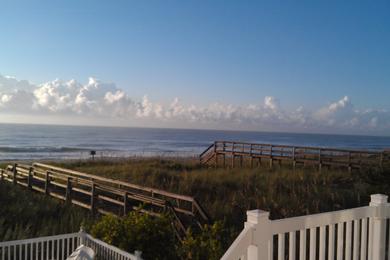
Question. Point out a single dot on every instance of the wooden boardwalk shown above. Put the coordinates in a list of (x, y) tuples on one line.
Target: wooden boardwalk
[(241, 154), (104, 195)]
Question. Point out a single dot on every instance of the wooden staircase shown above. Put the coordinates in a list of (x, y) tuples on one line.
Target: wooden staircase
[(208, 155)]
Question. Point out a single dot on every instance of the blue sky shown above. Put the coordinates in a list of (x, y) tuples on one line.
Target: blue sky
[(309, 54)]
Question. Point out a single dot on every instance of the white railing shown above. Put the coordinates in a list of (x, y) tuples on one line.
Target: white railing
[(60, 247), (360, 233), (107, 251)]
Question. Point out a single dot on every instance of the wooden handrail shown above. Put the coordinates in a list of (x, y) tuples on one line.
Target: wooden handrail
[(116, 182), (300, 147), (207, 149)]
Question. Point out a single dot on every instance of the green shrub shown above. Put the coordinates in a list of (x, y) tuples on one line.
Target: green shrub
[(210, 243), (153, 236)]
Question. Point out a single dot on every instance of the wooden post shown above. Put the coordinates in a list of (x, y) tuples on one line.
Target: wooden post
[(47, 182), (381, 160), (14, 171), (378, 232), (125, 202), (251, 153), (82, 236), (280, 162), (93, 198), (138, 254), (259, 221), (293, 158), (216, 155), (233, 155), (224, 154), (319, 160), (242, 156), (29, 178), (349, 162), (270, 158), (68, 195)]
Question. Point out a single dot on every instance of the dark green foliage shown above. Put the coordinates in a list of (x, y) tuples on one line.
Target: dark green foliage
[(153, 236), (25, 214), (210, 243), (156, 239)]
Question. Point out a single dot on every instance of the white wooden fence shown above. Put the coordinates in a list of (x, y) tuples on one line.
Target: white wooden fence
[(359, 233), (60, 247)]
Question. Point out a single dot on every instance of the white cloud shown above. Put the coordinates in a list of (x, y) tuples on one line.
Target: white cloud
[(10, 83), (335, 110), (271, 103), (96, 99)]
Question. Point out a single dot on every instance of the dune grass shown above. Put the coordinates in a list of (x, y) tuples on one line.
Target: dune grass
[(25, 214), (226, 194)]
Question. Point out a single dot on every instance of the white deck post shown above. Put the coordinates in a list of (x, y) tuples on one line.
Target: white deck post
[(378, 225), (259, 221), (138, 254), (82, 240)]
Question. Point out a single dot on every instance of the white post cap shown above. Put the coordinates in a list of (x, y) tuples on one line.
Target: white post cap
[(378, 199), (257, 215)]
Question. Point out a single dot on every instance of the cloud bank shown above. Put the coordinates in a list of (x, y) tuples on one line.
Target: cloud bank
[(104, 101)]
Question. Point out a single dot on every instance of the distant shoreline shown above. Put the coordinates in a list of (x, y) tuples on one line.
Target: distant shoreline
[(40, 142), (102, 159)]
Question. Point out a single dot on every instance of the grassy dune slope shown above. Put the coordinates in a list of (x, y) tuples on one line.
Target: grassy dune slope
[(228, 193), (25, 214)]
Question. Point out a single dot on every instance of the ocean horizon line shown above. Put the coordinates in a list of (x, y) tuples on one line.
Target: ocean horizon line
[(199, 129)]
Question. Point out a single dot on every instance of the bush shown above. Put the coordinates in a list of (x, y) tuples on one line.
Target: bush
[(136, 231), (210, 243), (155, 237)]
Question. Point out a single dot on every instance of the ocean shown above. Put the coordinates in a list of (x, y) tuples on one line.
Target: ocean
[(31, 142)]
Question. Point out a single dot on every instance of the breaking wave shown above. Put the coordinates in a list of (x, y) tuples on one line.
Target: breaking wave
[(42, 149)]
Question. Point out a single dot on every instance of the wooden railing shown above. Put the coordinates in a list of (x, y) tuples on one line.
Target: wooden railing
[(226, 153), (353, 234), (60, 247), (104, 195)]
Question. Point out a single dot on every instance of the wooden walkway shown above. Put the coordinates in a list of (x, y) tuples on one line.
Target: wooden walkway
[(104, 195), (233, 154)]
